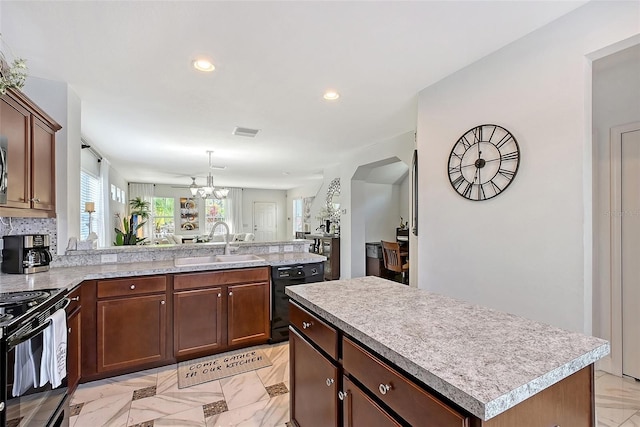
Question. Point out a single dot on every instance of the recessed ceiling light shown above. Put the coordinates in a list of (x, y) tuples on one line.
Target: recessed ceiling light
[(203, 65), (331, 95)]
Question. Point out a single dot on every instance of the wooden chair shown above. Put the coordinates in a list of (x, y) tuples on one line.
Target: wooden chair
[(393, 260)]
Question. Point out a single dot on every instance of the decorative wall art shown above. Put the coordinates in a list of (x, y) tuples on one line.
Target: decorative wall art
[(188, 214)]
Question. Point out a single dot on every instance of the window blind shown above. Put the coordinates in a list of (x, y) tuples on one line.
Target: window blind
[(90, 192)]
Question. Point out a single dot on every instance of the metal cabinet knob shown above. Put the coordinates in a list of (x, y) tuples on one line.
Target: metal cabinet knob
[(1, 406), (75, 299), (329, 382), (231, 293), (162, 302), (69, 330), (384, 388), (132, 287), (342, 395), (306, 325), (219, 295), (35, 200)]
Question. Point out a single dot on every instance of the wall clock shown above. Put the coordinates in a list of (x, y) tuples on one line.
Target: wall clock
[(483, 162)]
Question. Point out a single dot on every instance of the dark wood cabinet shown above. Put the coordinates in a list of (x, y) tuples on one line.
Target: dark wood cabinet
[(43, 175), (314, 385), (248, 313), (360, 410), (30, 134), (74, 344), (219, 310), (130, 324), (131, 332), (198, 321)]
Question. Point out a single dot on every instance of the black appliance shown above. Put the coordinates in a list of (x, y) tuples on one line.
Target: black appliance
[(281, 277), (23, 319), (26, 253)]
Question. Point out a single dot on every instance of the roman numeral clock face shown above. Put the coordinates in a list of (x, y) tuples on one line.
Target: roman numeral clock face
[(483, 162)]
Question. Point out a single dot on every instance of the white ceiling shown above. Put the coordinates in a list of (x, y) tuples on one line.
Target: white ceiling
[(153, 116)]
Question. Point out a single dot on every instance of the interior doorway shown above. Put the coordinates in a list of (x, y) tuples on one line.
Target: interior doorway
[(380, 198), (625, 168), (265, 224)]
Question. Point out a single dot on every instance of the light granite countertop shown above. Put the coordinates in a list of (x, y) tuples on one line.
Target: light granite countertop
[(484, 360), (70, 277)]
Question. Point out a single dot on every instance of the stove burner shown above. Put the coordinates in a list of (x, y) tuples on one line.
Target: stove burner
[(29, 297), (5, 317)]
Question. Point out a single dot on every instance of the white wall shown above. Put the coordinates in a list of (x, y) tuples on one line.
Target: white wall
[(353, 236), (524, 251), (115, 207), (59, 101), (382, 207), (279, 197), (616, 101)]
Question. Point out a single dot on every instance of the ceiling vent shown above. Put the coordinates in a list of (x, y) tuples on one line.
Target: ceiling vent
[(251, 133)]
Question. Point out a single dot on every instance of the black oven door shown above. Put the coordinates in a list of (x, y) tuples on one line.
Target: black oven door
[(28, 404)]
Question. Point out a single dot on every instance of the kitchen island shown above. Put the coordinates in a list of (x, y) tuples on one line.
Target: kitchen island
[(473, 366)]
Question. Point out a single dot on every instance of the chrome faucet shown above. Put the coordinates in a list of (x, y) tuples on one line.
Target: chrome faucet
[(227, 248)]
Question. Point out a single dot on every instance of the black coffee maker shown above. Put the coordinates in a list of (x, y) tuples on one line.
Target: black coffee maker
[(26, 253)]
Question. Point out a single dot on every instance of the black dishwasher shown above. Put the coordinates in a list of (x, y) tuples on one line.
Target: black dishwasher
[(281, 277)]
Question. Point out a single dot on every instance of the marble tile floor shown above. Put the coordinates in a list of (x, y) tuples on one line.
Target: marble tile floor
[(617, 401), (151, 398), (257, 398)]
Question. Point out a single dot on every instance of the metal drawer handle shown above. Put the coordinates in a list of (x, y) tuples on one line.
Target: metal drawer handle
[(342, 395), (384, 388), (306, 325), (132, 287), (329, 382), (75, 299)]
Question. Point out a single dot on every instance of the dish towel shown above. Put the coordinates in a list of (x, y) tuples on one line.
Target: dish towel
[(24, 369), (53, 367)]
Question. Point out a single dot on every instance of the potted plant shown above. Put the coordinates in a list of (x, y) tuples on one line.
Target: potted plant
[(128, 234)]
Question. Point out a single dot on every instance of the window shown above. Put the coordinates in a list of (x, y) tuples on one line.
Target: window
[(90, 192), (297, 215), (163, 215), (215, 210)]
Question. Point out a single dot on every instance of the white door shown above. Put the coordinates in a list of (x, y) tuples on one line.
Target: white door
[(265, 225), (630, 252)]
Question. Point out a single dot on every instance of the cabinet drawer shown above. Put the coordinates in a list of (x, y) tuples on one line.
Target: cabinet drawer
[(323, 335), (223, 277), (131, 286), (407, 399), (74, 300)]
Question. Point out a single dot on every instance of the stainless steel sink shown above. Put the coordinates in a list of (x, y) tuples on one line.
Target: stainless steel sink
[(215, 259)]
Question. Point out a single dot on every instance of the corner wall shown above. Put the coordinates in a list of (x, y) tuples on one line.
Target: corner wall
[(524, 251)]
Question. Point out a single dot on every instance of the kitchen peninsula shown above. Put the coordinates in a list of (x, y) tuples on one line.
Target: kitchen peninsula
[(136, 308), (398, 355)]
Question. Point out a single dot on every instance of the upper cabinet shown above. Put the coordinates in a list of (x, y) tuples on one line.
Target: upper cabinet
[(30, 135)]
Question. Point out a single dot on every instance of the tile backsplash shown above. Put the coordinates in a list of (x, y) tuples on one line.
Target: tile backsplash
[(31, 226)]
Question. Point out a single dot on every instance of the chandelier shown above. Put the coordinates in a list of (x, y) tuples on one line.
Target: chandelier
[(209, 190)]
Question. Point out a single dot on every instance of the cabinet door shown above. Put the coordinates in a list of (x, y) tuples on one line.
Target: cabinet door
[(43, 167), (361, 411), (131, 332), (198, 321), (314, 388), (15, 126), (74, 358), (248, 314)]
